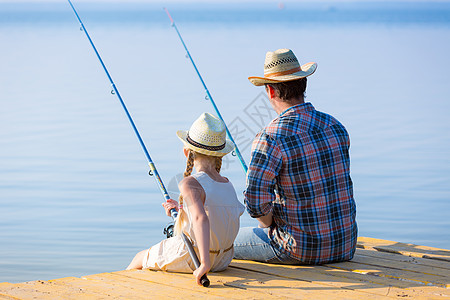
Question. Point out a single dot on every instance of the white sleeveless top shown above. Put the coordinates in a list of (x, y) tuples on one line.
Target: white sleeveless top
[(223, 210)]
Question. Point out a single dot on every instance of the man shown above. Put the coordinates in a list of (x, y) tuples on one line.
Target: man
[(298, 182)]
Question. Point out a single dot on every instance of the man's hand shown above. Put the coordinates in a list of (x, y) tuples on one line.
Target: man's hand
[(265, 221)]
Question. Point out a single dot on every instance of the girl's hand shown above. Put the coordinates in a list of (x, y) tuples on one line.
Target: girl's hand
[(168, 205), (203, 269)]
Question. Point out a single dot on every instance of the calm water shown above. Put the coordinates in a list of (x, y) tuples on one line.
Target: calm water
[(75, 195)]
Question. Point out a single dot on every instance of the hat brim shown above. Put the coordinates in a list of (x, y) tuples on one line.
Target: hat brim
[(307, 70), (229, 146)]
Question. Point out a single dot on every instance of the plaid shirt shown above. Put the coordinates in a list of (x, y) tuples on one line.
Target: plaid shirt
[(300, 170)]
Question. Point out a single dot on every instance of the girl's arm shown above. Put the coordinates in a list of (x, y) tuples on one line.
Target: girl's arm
[(194, 196), (168, 205)]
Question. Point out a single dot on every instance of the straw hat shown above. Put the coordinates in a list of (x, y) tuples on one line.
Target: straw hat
[(282, 65), (207, 135)]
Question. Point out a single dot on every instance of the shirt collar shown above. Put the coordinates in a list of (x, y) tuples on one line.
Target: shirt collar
[(297, 109)]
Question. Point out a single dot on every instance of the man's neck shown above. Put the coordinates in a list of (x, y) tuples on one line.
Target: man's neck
[(281, 105)]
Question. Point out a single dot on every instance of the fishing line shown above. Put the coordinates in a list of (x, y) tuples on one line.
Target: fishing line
[(208, 94), (153, 171)]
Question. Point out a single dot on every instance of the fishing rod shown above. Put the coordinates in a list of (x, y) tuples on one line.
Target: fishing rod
[(208, 94), (153, 171)]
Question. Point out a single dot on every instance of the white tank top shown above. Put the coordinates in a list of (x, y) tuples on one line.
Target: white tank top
[(223, 209)]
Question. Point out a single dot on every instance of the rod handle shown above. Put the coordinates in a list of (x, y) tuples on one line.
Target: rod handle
[(204, 281)]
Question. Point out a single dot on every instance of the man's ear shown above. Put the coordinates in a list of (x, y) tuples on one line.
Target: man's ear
[(270, 91)]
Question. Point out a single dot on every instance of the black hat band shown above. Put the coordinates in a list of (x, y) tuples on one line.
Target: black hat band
[(210, 148)]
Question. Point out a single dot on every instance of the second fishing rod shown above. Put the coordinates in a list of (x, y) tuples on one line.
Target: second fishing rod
[(208, 94), (153, 171)]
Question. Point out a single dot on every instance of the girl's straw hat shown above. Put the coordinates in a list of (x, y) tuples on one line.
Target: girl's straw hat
[(207, 135), (282, 65)]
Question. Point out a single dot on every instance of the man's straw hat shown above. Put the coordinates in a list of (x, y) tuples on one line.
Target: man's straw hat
[(207, 135), (282, 65)]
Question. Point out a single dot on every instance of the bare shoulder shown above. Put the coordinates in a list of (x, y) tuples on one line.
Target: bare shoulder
[(189, 182), (189, 186)]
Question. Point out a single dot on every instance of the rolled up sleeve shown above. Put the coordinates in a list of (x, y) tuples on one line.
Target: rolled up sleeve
[(264, 167)]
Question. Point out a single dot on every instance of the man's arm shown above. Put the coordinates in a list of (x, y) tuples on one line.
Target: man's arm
[(261, 179), (265, 221)]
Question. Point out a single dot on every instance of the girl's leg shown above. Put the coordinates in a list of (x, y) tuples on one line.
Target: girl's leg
[(136, 263)]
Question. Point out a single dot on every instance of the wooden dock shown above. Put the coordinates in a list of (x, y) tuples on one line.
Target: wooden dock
[(380, 269)]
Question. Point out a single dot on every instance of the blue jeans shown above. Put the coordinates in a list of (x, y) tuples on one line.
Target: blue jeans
[(253, 243)]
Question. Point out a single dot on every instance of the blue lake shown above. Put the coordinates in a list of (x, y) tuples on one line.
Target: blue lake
[(75, 195)]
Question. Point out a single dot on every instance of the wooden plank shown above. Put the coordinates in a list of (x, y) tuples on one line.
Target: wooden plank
[(404, 249), (399, 288), (445, 266), (6, 297), (251, 284), (4, 288), (186, 281), (283, 287), (311, 274), (407, 266), (232, 284), (47, 290), (401, 275), (344, 279), (119, 287)]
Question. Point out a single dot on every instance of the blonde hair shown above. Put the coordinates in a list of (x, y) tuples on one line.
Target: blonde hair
[(181, 219)]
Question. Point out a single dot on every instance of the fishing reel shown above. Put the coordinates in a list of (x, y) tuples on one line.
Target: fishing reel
[(169, 230)]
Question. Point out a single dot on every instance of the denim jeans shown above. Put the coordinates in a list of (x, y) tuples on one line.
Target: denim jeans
[(253, 243)]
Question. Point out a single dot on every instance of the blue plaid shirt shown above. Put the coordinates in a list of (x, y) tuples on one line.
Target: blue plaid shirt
[(300, 170)]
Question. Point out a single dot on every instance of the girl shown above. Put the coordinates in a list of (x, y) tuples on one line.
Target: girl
[(209, 209)]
